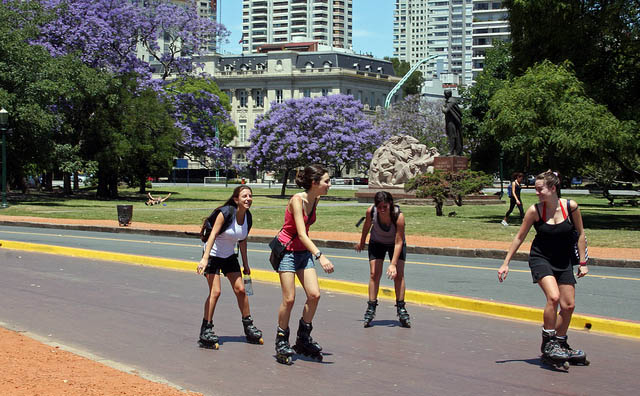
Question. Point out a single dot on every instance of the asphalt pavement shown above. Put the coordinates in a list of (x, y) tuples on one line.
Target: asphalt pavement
[(147, 319)]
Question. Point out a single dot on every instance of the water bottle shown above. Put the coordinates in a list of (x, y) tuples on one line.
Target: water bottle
[(248, 288)]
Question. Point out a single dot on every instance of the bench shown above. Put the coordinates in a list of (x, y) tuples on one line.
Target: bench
[(627, 196)]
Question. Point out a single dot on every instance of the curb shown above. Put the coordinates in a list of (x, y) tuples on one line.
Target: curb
[(510, 311), (433, 250)]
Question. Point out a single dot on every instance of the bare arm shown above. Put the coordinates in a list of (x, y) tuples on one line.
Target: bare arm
[(530, 217), (400, 225), (365, 231), (242, 245), (217, 226), (576, 217)]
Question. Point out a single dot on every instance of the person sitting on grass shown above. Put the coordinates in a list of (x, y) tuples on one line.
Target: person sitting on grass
[(155, 201)]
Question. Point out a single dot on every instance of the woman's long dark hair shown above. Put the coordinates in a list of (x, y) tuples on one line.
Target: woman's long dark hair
[(310, 174), (383, 196), (236, 194)]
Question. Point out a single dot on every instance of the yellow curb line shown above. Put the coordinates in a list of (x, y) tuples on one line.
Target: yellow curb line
[(509, 311)]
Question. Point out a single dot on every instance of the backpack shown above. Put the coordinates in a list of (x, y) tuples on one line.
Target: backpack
[(509, 189), (575, 237), (396, 209), (228, 213)]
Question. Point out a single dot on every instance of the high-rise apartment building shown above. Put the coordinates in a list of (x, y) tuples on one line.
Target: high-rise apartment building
[(328, 22), (490, 22), (423, 28)]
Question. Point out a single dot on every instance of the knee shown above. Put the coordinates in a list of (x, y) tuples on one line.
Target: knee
[(375, 276), (240, 291), (313, 298), (288, 301), (214, 294), (553, 299), (567, 306)]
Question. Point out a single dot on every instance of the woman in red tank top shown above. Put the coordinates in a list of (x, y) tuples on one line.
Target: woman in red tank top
[(298, 261)]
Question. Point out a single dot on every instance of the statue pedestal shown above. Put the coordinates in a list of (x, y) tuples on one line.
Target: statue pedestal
[(452, 163), (367, 194)]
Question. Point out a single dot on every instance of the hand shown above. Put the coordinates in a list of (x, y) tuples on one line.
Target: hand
[(502, 272), (246, 270), (392, 271), (202, 265), (359, 247), (518, 202), (327, 266), (582, 271)]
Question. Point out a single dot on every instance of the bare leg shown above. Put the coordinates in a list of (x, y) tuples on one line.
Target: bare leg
[(567, 305), (551, 291), (288, 284), (398, 282), (212, 298), (375, 274), (237, 284), (309, 280)]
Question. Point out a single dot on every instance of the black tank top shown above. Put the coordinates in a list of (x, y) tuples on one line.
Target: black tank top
[(553, 243)]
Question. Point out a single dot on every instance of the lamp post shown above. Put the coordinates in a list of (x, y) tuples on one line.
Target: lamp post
[(501, 184), (4, 120)]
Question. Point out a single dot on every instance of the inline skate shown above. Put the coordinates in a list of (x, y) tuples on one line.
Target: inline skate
[(403, 315), (552, 353), (283, 350), (305, 344), (208, 339), (370, 313), (254, 336), (576, 356)]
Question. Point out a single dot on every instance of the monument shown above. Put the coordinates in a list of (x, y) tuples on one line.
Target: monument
[(453, 127), (398, 159)]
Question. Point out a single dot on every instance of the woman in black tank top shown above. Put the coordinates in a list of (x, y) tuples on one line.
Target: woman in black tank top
[(551, 258)]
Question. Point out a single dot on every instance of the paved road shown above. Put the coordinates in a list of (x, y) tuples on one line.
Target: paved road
[(608, 291), (148, 318)]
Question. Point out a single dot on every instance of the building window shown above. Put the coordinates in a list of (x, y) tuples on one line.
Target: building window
[(279, 96), (242, 131), (242, 98), (308, 65), (306, 92), (258, 98), (325, 91)]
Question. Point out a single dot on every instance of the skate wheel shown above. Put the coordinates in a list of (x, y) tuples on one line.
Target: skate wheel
[(586, 362), (216, 346), (261, 341), (566, 366), (319, 358)]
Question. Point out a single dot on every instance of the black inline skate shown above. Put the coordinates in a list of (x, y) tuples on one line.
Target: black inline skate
[(283, 350), (576, 356), (403, 315), (370, 313), (254, 336), (305, 344), (552, 353), (208, 339)]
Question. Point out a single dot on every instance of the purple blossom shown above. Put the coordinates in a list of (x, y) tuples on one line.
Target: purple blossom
[(331, 130)]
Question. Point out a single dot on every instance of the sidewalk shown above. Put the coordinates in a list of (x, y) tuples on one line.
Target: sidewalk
[(613, 257)]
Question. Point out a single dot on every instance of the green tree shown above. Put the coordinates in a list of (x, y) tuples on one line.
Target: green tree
[(546, 113), (484, 149), (600, 38), (414, 83)]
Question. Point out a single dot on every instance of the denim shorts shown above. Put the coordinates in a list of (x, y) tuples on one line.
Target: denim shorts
[(294, 261)]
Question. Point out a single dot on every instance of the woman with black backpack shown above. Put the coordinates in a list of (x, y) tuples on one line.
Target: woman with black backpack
[(226, 227), (386, 222)]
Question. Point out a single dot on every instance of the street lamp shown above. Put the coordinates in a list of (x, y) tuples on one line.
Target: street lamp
[(4, 121)]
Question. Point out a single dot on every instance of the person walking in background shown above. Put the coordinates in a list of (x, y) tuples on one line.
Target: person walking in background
[(298, 261), (386, 222), (557, 222), (228, 226), (514, 196)]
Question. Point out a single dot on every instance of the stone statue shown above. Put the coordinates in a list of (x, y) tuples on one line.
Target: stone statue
[(453, 123), (399, 159)]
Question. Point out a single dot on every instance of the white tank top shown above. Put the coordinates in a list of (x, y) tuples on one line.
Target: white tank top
[(225, 243)]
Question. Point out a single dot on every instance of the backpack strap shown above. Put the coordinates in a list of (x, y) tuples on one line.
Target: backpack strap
[(538, 210)]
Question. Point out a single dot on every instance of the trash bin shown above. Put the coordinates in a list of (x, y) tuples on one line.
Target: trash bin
[(125, 213)]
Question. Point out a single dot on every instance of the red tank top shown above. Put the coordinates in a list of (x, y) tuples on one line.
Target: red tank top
[(289, 229)]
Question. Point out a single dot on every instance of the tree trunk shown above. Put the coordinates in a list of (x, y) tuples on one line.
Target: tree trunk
[(143, 184), (458, 200), (47, 181), (285, 178), (76, 181), (439, 204), (66, 178)]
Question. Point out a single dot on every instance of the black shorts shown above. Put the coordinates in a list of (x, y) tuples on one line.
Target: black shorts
[(378, 250), (541, 268), (227, 265)]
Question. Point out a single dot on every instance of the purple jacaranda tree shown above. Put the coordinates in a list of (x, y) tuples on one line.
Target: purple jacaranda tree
[(108, 34), (330, 130), (417, 117), (199, 115)]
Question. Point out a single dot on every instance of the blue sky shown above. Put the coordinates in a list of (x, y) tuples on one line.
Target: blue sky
[(372, 26)]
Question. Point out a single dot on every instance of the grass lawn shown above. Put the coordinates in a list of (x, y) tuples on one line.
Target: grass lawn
[(608, 226)]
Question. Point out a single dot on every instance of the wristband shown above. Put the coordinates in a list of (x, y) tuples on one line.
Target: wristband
[(317, 255), (583, 263)]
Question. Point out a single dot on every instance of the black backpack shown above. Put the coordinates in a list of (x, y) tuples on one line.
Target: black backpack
[(228, 213)]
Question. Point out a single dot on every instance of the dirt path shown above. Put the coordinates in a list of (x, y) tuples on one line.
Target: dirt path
[(32, 368)]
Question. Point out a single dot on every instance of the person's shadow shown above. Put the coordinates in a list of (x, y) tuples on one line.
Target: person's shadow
[(387, 323), (535, 361)]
